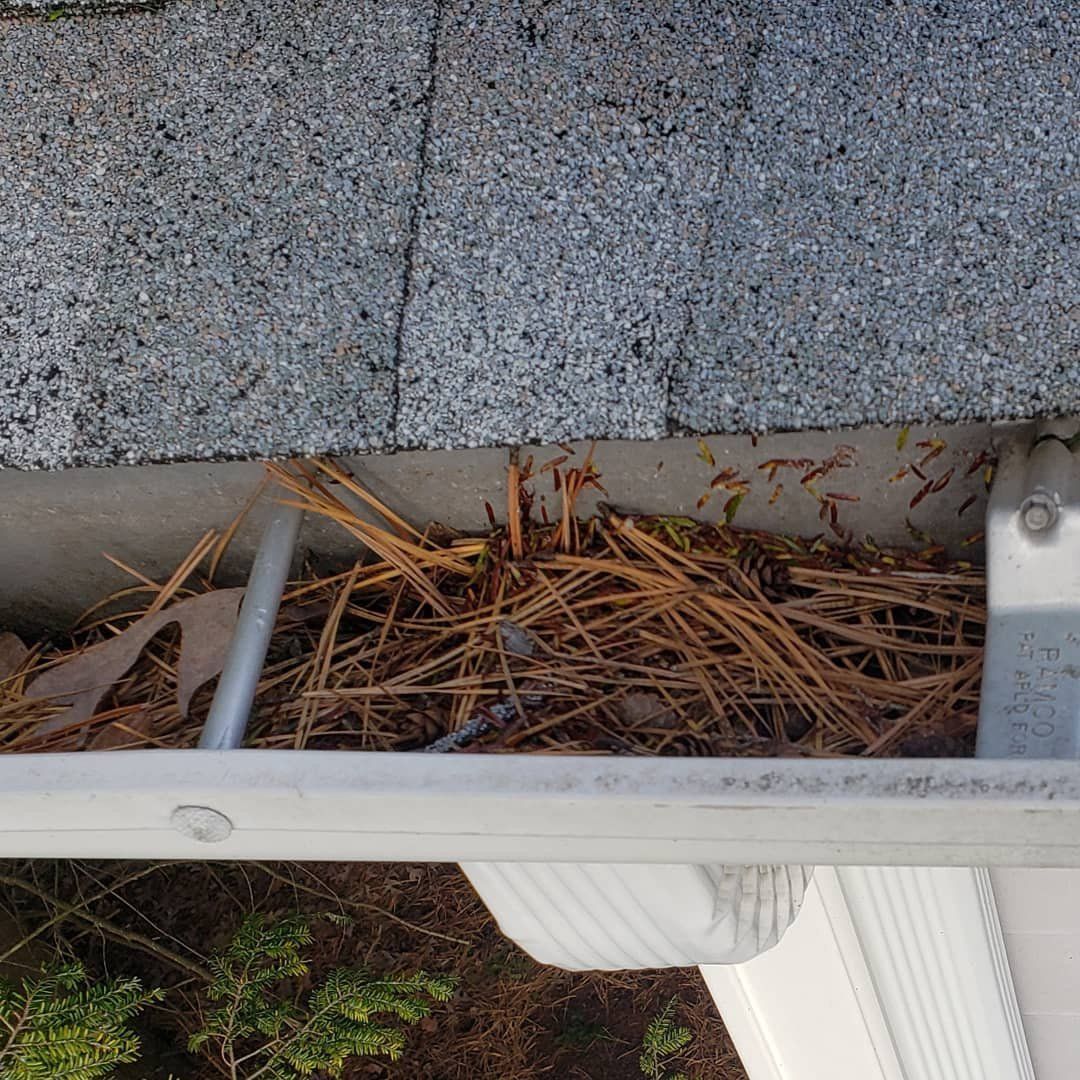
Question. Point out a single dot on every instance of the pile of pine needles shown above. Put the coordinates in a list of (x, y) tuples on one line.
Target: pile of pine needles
[(619, 634)]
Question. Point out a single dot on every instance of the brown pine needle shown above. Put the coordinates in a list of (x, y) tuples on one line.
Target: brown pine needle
[(642, 635), (183, 571), (229, 534), (513, 506)]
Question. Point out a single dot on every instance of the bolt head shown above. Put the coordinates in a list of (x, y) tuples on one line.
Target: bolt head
[(1039, 512)]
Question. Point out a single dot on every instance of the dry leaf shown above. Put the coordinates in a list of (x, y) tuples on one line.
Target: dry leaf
[(122, 734), (12, 654), (206, 626)]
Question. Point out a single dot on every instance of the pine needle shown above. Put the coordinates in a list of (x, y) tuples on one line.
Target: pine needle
[(647, 635)]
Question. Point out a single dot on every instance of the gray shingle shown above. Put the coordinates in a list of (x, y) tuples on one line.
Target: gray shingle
[(228, 190), (572, 153), (713, 217), (897, 237)]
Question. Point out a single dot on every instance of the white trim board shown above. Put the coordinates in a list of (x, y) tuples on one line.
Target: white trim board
[(807, 1009), (1040, 917), (541, 808), (889, 973)]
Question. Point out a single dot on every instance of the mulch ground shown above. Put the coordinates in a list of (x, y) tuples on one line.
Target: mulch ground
[(512, 1019)]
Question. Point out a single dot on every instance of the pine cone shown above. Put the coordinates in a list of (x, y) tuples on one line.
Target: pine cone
[(758, 573)]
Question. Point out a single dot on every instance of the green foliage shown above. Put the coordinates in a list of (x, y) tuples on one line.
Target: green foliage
[(579, 1033), (259, 1031), (58, 1026), (663, 1040), (339, 920)]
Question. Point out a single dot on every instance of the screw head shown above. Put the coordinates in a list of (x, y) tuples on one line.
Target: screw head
[(1039, 511), (201, 823)]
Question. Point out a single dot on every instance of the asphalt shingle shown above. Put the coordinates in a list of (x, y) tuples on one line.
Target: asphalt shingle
[(572, 154), (219, 199), (236, 230), (898, 234)]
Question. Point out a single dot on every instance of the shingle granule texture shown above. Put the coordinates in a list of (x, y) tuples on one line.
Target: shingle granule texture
[(205, 213), (232, 229), (573, 153), (898, 234), (60, 9)]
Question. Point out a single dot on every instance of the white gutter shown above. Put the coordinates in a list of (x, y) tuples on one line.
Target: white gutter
[(359, 805), (617, 862)]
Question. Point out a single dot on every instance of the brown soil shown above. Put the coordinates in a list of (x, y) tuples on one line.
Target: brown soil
[(511, 1019)]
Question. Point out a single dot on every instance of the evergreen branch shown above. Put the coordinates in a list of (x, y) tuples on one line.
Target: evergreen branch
[(64, 1029), (20, 1022), (334, 1024), (663, 1040)]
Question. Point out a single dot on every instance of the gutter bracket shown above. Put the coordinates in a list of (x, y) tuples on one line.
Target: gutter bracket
[(1030, 703)]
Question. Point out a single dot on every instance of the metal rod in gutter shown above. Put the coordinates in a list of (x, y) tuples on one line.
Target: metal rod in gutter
[(231, 707)]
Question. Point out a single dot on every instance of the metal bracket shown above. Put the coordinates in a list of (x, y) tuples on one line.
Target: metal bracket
[(1030, 703)]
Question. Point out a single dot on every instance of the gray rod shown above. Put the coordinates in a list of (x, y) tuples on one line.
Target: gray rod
[(231, 707)]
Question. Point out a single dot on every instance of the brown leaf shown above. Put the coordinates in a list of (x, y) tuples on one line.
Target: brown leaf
[(206, 626), (943, 481), (122, 734), (921, 494), (554, 463), (933, 447), (12, 654)]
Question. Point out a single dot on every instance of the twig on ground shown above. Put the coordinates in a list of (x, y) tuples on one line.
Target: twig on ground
[(109, 928)]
